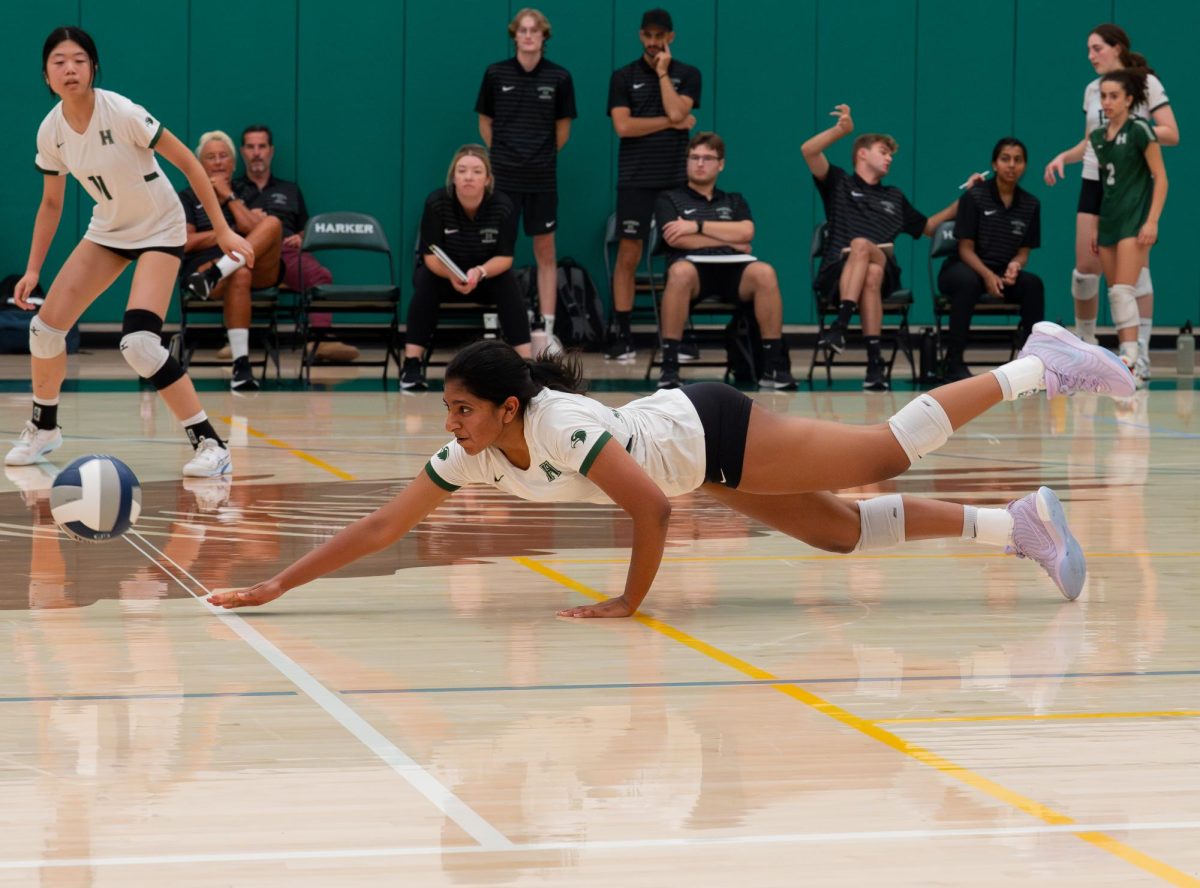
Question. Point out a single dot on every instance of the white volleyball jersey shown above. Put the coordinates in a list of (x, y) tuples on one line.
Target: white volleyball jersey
[(1156, 97), (565, 433), (113, 159)]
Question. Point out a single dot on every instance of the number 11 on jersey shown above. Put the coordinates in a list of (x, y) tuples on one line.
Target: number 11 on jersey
[(98, 181)]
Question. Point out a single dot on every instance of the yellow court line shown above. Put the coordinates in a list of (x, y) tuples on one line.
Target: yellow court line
[(307, 457), (925, 756), (1052, 716)]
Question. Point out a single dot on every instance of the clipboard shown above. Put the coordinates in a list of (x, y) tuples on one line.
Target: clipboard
[(450, 264)]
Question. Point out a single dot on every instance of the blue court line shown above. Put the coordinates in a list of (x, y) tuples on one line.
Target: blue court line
[(610, 686)]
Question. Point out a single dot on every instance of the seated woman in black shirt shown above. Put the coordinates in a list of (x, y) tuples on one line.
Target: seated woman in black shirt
[(998, 223), (476, 226)]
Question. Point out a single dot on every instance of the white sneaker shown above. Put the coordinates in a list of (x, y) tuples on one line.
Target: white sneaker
[(211, 459), (33, 444), (1141, 370)]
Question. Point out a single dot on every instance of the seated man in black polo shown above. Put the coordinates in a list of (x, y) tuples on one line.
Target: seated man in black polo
[(708, 233), (998, 223), (864, 217), (475, 226)]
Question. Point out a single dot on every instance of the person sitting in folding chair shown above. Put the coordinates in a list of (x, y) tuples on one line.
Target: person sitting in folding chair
[(208, 274), (708, 233), (998, 223), (864, 218), (468, 236)]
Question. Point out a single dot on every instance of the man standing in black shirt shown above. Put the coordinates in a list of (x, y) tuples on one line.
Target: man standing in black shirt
[(525, 107), (266, 195), (708, 234), (651, 102), (864, 217)]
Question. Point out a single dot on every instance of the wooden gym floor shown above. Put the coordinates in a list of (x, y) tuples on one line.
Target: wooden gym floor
[(934, 715)]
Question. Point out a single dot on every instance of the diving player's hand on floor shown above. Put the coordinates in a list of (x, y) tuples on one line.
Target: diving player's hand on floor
[(261, 593), (614, 607)]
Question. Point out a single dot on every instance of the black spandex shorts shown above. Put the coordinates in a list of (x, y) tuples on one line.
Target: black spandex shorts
[(1091, 192), (134, 253), (725, 415)]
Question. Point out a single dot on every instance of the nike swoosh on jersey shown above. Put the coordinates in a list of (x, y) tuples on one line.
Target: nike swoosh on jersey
[(990, 212), (689, 212), (507, 88), (638, 85), (857, 194), (496, 480), (549, 224), (450, 230)]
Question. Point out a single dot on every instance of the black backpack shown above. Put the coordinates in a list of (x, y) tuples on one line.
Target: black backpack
[(744, 361), (14, 322), (579, 321)]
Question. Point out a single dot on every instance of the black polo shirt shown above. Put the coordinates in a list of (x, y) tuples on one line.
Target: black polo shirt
[(469, 242), (281, 199), (194, 213), (686, 203), (855, 209), (525, 107), (659, 159), (998, 231)]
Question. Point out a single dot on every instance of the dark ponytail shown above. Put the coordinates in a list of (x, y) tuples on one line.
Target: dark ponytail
[(1114, 35), (1132, 80), (493, 371)]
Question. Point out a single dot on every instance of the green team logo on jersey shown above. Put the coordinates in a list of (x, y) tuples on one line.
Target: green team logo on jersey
[(578, 438), (444, 453), (551, 472)]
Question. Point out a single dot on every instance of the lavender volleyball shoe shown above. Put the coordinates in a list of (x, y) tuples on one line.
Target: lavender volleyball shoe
[(1040, 532), (1074, 366)]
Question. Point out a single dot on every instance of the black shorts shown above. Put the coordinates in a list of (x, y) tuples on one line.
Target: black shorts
[(829, 278), (134, 253), (635, 209), (539, 208), (725, 415), (721, 280), (1091, 193), (193, 260)]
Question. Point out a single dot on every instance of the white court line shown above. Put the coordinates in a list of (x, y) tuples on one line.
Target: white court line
[(488, 837), (609, 845)]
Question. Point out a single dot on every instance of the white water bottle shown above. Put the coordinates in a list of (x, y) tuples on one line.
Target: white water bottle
[(1185, 351)]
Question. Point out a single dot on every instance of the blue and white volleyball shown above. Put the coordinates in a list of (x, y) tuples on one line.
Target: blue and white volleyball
[(96, 498)]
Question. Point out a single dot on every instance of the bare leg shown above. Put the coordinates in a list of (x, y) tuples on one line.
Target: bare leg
[(1123, 263), (1086, 262), (234, 293), (88, 272), (683, 283), (629, 254), (760, 285), (547, 273), (267, 239), (870, 307), (826, 521)]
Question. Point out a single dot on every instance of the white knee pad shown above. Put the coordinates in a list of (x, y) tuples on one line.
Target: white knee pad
[(881, 523), (1122, 303), (921, 426), (44, 340), (1144, 286), (144, 352), (1084, 287)]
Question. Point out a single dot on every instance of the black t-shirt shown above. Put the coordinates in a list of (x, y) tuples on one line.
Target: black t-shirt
[(855, 209), (193, 212), (684, 203), (469, 242), (659, 159), (525, 107), (281, 199), (998, 231)]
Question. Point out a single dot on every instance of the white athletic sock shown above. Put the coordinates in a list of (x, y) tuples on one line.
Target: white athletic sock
[(1144, 327), (549, 318), (1128, 352), (195, 420), (239, 342), (993, 527), (1085, 329), (1021, 377), (228, 266), (45, 402)]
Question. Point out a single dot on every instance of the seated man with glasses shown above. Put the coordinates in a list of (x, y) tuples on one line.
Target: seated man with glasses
[(708, 233)]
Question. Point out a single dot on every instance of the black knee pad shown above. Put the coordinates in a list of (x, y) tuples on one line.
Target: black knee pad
[(138, 319)]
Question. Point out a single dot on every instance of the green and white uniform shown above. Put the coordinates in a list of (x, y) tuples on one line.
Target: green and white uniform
[(1125, 177), (564, 434)]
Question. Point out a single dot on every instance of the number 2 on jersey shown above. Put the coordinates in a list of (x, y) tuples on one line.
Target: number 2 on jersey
[(1112, 174), (98, 181)]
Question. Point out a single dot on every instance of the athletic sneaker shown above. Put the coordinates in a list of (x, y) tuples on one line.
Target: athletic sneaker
[(1141, 371), (1040, 532), (835, 338), (243, 376), (689, 349), (412, 376), (33, 444), (1074, 366), (876, 379), (779, 378), (201, 283), (620, 349), (211, 459), (669, 379)]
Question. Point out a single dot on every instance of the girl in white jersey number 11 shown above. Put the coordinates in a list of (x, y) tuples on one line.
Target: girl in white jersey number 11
[(108, 144), (526, 429)]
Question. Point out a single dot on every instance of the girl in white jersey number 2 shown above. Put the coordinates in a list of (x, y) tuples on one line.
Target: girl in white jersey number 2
[(108, 143), (524, 428)]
